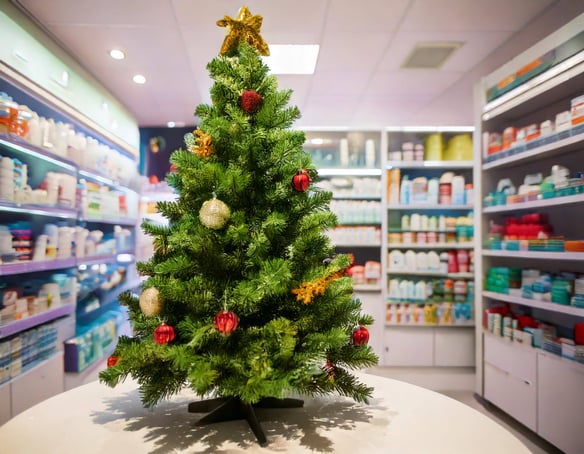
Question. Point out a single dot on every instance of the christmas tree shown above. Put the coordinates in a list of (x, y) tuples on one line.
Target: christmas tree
[(244, 296)]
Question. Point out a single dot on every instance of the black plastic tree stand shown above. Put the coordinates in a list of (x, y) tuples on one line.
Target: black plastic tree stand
[(232, 408)]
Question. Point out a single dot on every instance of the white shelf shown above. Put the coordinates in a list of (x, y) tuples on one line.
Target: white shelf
[(548, 306), (356, 197), (548, 150), (349, 172), (357, 244), (428, 207), (463, 245), (540, 203), (431, 274), (535, 254), (415, 325), (545, 82), (367, 287), (429, 165)]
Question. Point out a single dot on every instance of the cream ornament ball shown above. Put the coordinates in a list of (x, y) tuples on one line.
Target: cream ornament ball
[(150, 302), (214, 214)]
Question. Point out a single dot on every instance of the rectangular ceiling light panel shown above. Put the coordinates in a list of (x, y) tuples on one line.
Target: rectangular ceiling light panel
[(292, 58)]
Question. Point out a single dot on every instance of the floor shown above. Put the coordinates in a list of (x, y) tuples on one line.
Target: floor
[(459, 384)]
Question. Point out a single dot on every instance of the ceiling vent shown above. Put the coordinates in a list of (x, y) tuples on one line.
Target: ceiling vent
[(430, 55)]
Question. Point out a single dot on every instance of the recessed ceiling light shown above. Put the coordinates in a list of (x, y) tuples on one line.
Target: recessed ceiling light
[(171, 124), (139, 79), (292, 58), (117, 54)]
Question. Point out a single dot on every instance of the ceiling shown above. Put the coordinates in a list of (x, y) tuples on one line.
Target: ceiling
[(358, 83)]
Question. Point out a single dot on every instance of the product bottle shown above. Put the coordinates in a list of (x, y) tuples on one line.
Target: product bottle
[(405, 191)]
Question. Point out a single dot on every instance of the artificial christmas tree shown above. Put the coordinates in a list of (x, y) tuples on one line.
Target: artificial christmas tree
[(244, 299)]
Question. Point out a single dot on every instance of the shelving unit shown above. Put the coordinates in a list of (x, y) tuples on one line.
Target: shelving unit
[(349, 166), (46, 377), (422, 342), (535, 386)]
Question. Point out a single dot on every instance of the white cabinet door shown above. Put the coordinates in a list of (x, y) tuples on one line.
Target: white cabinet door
[(408, 346), (510, 380), (561, 402), (5, 405), (454, 347), (38, 384), (512, 395), (372, 304)]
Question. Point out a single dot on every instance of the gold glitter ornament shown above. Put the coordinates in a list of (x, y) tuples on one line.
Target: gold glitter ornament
[(150, 302), (245, 28), (214, 214)]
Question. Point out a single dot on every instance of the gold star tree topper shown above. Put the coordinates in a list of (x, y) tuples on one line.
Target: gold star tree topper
[(244, 28)]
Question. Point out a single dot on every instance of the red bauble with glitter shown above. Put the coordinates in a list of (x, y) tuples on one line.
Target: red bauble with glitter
[(113, 360), (226, 321), (173, 168), (164, 334), (360, 336), (251, 101), (301, 181)]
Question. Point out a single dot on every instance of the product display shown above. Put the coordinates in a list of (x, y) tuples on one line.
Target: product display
[(530, 294), (430, 249), (67, 219)]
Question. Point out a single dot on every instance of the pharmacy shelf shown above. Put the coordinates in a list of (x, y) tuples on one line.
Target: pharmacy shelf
[(356, 197), (366, 287), (79, 377), (39, 210), (8, 269), (526, 98), (535, 254), (399, 230), (428, 207), (409, 325), (534, 204), (548, 148), (349, 172), (429, 165), (127, 222), (431, 274), (393, 303), (19, 145), (30, 322), (357, 244), (94, 176), (463, 245), (548, 306)]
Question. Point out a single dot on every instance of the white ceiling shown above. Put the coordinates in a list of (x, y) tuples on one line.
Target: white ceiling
[(358, 81)]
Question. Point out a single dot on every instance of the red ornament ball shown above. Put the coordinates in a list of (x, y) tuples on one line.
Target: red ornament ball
[(301, 181), (173, 168), (226, 321), (360, 336), (113, 360), (164, 334), (251, 101)]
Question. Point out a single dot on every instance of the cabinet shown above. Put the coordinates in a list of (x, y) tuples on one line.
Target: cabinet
[(66, 247), (530, 206), (348, 164), (561, 399), (428, 247)]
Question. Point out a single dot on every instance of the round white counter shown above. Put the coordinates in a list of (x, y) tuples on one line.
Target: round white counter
[(400, 418)]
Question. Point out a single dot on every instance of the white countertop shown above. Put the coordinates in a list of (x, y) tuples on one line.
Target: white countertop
[(400, 418)]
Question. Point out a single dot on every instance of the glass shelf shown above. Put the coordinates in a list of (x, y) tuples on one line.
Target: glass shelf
[(8, 269), (548, 306), (30, 322), (39, 210)]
